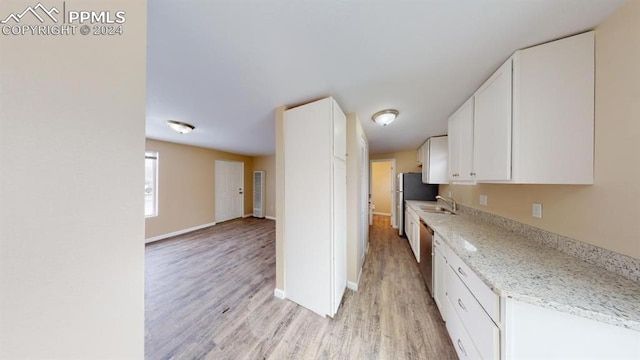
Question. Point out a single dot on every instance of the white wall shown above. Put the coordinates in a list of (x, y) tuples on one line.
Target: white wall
[(71, 176)]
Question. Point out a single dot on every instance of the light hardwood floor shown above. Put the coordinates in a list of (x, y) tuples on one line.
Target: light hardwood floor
[(209, 295)]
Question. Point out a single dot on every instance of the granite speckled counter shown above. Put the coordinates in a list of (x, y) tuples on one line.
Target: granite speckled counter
[(528, 271)]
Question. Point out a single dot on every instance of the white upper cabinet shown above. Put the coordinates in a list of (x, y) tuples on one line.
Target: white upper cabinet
[(532, 120), (434, 160), (492, 130), (461, 144), (419, 155), (553, 112), (339, 132)]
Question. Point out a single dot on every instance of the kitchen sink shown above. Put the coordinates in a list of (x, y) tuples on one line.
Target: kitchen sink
[(435, 209)]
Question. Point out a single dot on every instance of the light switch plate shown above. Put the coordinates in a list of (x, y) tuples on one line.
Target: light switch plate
[(536, 210), (483, 200)]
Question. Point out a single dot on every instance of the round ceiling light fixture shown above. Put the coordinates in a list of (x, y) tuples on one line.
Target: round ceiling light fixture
[(385, 117), (182, 128)]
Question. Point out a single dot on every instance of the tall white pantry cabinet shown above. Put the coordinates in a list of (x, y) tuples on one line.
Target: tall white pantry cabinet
[(315, 199)]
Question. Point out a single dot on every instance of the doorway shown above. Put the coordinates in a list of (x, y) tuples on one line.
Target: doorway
[(383, 176), (229, 190)]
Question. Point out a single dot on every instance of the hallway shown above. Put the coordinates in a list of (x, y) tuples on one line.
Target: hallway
[(209, 294)]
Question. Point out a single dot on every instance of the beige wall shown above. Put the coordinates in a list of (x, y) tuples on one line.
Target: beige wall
[(381, 186), (268, 164), (72, 124), (406, 161), (607, 213), (192, 168)]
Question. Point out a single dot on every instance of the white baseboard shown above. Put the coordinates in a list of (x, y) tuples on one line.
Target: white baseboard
[(270, 217), (381, 214), (247, 215), (354, 285), (279, 293), (179, 232)]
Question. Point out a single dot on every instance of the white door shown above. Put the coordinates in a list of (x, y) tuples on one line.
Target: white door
[(229, 190)]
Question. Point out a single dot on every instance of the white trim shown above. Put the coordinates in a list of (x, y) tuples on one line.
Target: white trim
[(247, 215), (394, 173), (270, 217), (280, 294), (354, 285), (381, 214), (179, 232)]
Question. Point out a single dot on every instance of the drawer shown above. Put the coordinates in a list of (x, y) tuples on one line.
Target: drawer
[(483, 332), (487, 298), (439, 244), (459, 337)]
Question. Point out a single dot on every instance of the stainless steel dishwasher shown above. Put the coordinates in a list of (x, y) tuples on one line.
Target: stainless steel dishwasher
[(426, 255)]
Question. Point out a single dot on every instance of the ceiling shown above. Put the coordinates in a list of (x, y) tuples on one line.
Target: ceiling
[(224, 66)]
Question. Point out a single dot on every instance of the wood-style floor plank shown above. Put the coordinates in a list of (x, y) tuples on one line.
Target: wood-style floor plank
[(209, 295)]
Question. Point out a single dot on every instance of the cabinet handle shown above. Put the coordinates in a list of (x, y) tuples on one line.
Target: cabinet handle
[(472, 174), (461, 271), (461, 304), (462, 348)]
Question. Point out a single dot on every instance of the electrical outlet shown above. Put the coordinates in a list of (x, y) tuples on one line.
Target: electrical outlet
[(536, 210), (483, 200)]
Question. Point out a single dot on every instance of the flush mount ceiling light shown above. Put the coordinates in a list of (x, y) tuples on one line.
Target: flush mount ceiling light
[(385, 117), (182, 128)]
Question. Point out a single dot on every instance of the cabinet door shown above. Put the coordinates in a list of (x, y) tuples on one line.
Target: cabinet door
[(492, 126), (453, 129), (465, 141), (553, 112), (339, 132), (460, 144), (426, 165), (407, 226), (437, 160), (439, 288), (416, 238)]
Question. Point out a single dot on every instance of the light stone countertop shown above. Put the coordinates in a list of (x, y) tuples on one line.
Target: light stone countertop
[(525, 270)]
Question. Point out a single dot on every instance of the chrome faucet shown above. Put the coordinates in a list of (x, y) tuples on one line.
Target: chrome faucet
[(449, 201)]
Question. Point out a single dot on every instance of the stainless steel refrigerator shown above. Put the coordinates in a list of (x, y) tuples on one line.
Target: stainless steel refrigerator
[(410, 187)]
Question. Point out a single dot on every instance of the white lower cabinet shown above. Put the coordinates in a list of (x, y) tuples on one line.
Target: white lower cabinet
[(534, 332), (473, 309), (484, 326), (439, 275), (484, 334), (412, 230), (459, 336)]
